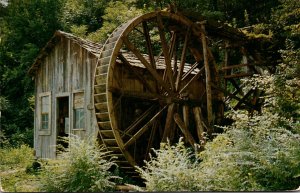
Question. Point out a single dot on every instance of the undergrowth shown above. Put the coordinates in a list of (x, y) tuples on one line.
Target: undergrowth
[(255, 154), (13, 174), (82, 167)]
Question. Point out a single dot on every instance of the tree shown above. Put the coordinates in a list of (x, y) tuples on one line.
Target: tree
[(116, 13), (82, 17), (25, 28)]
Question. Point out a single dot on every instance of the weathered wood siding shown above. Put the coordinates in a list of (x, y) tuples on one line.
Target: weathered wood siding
[(67, 69)]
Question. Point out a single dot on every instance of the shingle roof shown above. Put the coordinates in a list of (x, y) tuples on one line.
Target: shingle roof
[(95, 49), (90, 46)]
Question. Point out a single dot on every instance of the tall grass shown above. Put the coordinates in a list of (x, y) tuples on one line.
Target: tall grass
[(22, 155)]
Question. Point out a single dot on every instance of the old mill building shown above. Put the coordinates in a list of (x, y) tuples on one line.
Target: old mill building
[(63, 74)]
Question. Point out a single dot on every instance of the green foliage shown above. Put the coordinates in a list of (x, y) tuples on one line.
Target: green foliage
[(286, 19), (116, 13), (4, 103), (83, 13), (79, 31), (82, 167), (287, 83), (257, 153), (171, 169), (16, 156), (223, 10), (13, 176), (25, 28)]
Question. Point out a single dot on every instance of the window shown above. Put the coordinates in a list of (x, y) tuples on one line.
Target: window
[(45, 112), (79, 117)]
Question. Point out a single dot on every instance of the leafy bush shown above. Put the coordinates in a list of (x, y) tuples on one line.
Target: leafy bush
[(255, 154), (81, 167), (171, 169), (13, 156)]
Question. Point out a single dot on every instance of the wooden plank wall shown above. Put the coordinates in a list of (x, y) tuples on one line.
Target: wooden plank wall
[(67, 69)]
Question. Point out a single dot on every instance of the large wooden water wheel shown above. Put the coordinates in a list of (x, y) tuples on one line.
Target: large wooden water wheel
[(157, 80)]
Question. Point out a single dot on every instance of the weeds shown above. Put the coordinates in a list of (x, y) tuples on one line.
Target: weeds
[(82, 167)]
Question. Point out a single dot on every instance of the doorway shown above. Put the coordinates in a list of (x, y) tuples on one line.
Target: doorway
[(62, 121)]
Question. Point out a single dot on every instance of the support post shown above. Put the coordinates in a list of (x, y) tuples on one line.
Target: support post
[(208, 78)]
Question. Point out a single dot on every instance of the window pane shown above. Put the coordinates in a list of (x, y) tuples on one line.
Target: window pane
[(45, 104), (45, 121), (78, 118), (81, 119)]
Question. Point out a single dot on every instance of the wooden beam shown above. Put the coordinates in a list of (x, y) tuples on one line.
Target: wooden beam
[(190, 71), (172, 43), (149, 67), (184, 130), (243, 99), (195, 77), (226, 60), (175, 67), (234, 66), (151, 139), (238, 75), (238, 89), (135, 94), (143, 129), (149, 45), (169, 121), (233, 96), (236, 85), (185, 114), (208, 77), (199, 125), (139, 120), (165, 49), (136, 73), (182, 59)]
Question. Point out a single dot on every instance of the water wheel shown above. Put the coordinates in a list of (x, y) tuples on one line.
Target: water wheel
[(156, 80)]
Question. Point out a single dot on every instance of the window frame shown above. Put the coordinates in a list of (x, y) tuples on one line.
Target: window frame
[(76, 107), (80, 119), (44, 131)]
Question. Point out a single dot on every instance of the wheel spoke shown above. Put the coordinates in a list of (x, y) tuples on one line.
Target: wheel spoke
[(136, 73), (184, 130), (199, 122), (132, 127), (182, 60), (190, 71), (175, 67), (192, 79), (172, 44), (149, 45), (143, 129), (154, 73), (165, 49), (169, 122), (185, 112), (151, 138)]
